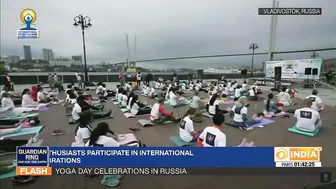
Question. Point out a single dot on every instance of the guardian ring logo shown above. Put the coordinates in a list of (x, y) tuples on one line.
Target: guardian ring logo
[(28, 18)]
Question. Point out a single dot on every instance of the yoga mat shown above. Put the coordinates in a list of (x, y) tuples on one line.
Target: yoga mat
[(10, 174), (22, 116), (42, 109), (129, 115), (24, 131), (180, 143), (124, 110), (269, 115), (115, 102), (148, 122), (297, 131), (228, 102), (262, 123), (72, 121)]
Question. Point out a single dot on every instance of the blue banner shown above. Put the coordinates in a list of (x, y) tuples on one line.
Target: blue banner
[(160, 157)]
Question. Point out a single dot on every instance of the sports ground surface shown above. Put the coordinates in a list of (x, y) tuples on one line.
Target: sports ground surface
[(275, 134)]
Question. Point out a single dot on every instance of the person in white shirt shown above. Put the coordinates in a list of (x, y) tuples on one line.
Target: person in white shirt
[(100, 89), (183, 86), (196, 102), (226, 91), (147, 90), (152, 93), (253, 94), (159, 115), (187, 132), (129, 99), (213, 106), (119, 96), (284, 98), (239, 117), (238, 93), (307, 119), (198, 87), (138, 108), (8, 107), (124, 99), (79, 80), (82, 108), (244, 86), (99, 138), (191, 86), (117, 91), (28, 102), (212, 136), (316, 101), (82, 133), (175, 100), (70, 101), (138, 79), (169, 89)]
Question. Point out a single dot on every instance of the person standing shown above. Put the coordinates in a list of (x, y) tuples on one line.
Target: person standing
[(51, 81), (138, 79), (79, 80), (122, 78)]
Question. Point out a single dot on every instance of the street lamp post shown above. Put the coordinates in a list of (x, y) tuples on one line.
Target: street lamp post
[(84, 22), (253, 46)]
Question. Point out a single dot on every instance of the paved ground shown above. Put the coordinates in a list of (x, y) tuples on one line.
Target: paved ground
[(273, 135)]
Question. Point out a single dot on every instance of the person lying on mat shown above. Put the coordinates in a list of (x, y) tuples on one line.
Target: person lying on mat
[(124, 99), (129, 99), (4, 132), (270, 107), (213, 106), (159, 115), (238, 93), (137, 108), (316, 101), (119, 96), (307, 119), (83, 108), (28, 102), (239, 117), (284, 98), (187, 132), (99, 138), (8, 108), (212, 136), (82, 133), (175, 100), (44, 97)]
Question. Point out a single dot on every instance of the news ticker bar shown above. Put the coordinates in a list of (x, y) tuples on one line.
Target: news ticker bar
[(48, 171), (290, 11)]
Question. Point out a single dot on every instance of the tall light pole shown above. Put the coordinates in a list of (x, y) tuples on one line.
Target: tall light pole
[(84, 22), (253, 46), (314, 55)]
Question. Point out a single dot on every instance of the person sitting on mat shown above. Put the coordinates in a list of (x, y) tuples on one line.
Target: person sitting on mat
[(270, 107), (146, 90), (212, 136), (99, 138), (316, 101), (176, 100), (244, 86), (213, 106), (8, 108), (124, 99), (159, 115), (291, 91), (82, 133), (170, 88), (253, 94), (119, 96), (152, 93), (28, 102), (225, 92), (307, 119), (83, 108), (117, 90), (137, 108), (129, 99), (44, 97), (187, 132), (238, 93), (70, 101), (238, 114), (284, 98)]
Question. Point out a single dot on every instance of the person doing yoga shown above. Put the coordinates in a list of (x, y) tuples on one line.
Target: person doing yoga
[(138, 108), (82, 108), (129, 99), (44, 97), (284, 98), (213, 106), (175, 100), (212, 136), (238, 114), (159, 115), (316, 101), (270, 108), (8, 108), (70, 101), (124, 99), (146, 90), (99, 138), (82, 133), (187, 131), (307, 119), (120, 93), (238, 93), (4, 132), (28, 102)]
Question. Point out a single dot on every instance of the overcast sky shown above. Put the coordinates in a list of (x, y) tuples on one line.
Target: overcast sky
[(168, 28)]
